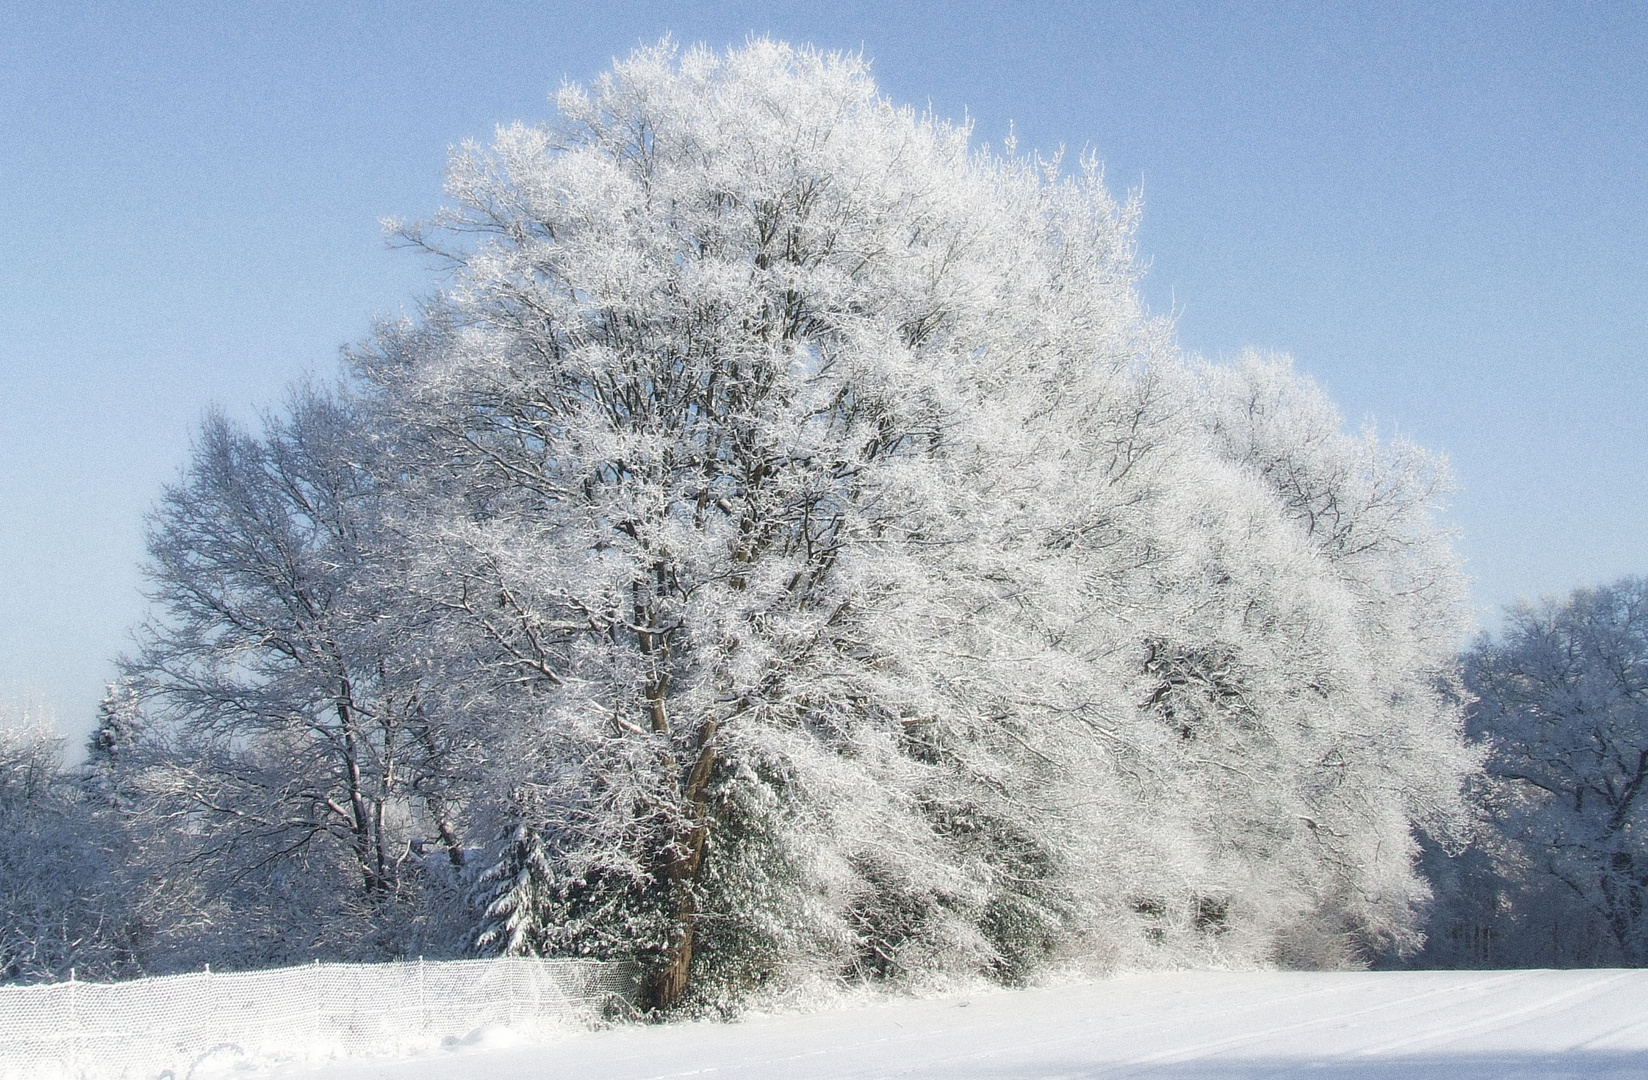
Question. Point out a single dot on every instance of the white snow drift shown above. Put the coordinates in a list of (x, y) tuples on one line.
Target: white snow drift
[(1225, 1025)]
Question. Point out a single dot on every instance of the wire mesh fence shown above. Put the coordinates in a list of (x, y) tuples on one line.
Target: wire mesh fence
[(179, 1026)]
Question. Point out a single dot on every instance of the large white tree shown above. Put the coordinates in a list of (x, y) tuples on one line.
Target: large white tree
[(853, 577), (786, 546), (709, 392)]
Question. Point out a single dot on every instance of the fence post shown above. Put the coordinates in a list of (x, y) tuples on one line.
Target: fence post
[(314, 998), (73, 1026), (423, 1001), (214, 1028)]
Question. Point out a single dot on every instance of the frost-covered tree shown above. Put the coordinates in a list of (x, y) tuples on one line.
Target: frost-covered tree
[(850, 580), (114, 745), (689, 402), (1562, 705), (1368, 662), (290, 756), (64, 901), (787, 548)]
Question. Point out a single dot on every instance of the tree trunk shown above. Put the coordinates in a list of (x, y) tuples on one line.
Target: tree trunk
[(669, 984), (361, 826), (683, 860)]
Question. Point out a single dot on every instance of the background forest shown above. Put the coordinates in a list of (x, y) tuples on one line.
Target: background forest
[(785, 550)]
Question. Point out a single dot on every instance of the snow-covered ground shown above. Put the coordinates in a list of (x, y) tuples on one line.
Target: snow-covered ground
[(1214, 1025)]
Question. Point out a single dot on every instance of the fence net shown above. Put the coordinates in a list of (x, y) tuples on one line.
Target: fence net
[(179, 1026)]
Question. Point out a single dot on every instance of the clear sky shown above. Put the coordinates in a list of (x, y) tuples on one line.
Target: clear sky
[(1440, 210)]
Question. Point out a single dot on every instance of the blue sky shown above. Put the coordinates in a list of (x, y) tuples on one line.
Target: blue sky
[(1441, 211)]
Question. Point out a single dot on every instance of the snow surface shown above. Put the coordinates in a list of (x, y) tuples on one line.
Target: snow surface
[(1457, 1025)]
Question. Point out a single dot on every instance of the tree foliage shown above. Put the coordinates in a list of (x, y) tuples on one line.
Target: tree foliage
[(786, 550)]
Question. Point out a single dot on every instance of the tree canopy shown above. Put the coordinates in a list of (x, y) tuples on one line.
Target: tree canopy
[(785, 549)]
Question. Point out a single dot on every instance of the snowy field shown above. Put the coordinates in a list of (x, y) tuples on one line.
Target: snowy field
[(1215, 1025)]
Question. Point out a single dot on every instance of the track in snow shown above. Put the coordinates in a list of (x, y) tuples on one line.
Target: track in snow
[(1433, 1025)]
